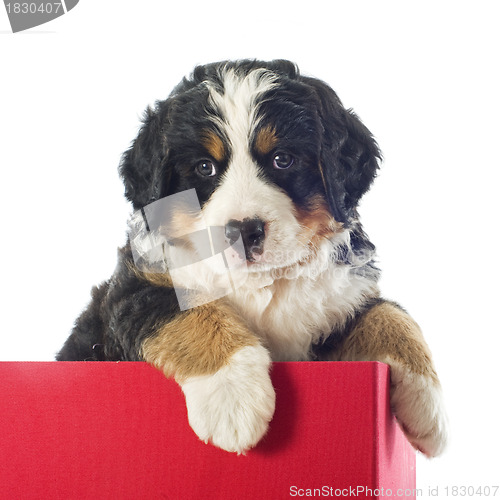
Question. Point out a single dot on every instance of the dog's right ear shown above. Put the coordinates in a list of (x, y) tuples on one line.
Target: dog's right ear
[(141, 166)]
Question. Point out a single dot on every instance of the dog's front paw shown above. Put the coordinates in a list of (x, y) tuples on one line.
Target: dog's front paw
[(417, 402), (232, 408)]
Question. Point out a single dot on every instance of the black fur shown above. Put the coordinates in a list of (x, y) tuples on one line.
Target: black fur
[(123, 312)]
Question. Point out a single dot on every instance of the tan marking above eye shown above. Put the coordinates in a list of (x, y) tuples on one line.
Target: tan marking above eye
[(214, 145), (266, 140)]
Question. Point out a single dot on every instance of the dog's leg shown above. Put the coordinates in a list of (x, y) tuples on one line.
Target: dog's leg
[(223, 371), (387, 333)]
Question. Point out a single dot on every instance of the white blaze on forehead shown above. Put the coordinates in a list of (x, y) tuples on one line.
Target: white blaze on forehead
[(242, 192), (237, 102)]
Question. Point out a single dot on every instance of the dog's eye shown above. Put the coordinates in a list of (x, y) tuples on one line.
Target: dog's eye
[(282, 160), (206, 168)]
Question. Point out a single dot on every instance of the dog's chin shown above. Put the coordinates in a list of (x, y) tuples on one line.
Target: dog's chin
[(267, 267), (261, 264)]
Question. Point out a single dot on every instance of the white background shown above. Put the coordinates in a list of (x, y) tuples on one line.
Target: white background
[(422, 75)]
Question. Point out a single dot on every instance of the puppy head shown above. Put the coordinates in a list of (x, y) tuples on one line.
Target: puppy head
[(274, 158)]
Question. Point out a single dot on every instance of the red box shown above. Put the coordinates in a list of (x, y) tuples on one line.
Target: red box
[(120, 430)]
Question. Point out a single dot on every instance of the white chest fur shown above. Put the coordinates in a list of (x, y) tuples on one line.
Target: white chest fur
[(292, 313)]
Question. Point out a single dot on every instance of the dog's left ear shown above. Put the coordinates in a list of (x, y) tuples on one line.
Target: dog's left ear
[(349, 156)]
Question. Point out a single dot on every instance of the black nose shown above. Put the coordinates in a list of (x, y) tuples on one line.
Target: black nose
[(252, 233)]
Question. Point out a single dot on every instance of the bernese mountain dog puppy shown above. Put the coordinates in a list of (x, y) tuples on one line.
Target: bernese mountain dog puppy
[(245, 247)]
